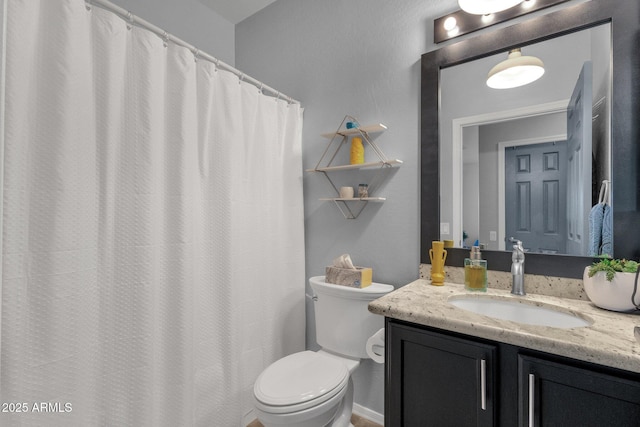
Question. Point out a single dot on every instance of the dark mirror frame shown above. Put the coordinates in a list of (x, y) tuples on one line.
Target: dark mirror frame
[(624, 15)]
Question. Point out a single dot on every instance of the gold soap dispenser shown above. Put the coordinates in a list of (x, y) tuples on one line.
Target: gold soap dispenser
[(475, 271)]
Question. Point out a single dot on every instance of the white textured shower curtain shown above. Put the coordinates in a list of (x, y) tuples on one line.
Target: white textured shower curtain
[(153, 256)]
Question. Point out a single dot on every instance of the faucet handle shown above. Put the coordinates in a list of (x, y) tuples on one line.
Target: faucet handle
[(518, 250), (518, 244), (516, 241)]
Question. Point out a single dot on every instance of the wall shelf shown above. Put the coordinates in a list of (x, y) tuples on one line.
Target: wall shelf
[(353, 199), (351, 208), (369, 165), (355, 131)]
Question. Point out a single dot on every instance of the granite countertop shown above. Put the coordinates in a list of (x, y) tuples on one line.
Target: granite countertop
[(608, 341)]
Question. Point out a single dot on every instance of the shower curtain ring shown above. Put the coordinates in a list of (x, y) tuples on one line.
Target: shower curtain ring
[(165, 39), (196, 52), (130, 20), (277, 96), (261, 86), (217, 64), (241, 78)]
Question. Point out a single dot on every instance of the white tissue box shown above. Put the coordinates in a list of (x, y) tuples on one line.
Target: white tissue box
[(361, 277)]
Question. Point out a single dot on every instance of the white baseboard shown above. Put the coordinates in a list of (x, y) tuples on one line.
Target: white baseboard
[(357, 409), (248, 418), (368, 414)]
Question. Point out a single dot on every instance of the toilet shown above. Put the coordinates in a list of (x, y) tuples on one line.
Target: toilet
[(315, 389)]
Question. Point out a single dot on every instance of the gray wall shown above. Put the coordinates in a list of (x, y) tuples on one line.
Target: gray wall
[(358, 57), (191, 21)]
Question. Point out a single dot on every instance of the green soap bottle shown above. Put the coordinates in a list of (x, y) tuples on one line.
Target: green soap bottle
[(475, 271)]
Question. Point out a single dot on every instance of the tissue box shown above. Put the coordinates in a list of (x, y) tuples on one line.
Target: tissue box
[(359, 278)]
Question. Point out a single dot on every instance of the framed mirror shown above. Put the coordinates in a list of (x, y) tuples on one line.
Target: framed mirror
[(619, 20)]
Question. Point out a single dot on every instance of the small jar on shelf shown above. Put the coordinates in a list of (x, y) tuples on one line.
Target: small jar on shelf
[(363, 191)]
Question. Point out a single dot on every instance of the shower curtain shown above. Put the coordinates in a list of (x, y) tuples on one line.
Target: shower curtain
[(153, 254)]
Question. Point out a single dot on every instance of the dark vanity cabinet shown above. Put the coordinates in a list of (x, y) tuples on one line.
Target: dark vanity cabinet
[(436, 378), (560, 394)]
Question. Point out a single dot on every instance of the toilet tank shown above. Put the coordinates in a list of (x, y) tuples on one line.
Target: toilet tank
[(343, 321)]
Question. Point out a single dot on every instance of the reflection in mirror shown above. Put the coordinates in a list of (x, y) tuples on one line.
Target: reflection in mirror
[(528, 162)]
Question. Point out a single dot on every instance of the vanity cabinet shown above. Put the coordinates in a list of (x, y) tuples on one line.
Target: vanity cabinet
[(559, 394), (439, 378)]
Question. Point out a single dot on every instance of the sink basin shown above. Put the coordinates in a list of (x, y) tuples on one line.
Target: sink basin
[(519, 311)]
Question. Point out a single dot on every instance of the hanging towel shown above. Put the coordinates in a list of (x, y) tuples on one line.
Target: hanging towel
[(596, 217), (600, 224), (607, 232)]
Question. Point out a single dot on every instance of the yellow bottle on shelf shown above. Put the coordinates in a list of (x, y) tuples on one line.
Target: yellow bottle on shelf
[(357, 151)]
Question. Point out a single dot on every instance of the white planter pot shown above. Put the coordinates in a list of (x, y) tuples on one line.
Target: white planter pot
[(614, 295)]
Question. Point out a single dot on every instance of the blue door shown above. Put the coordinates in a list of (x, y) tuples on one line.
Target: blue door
[(535, 196)]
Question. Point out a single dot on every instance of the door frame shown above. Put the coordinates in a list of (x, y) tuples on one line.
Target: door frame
[(458, 126)]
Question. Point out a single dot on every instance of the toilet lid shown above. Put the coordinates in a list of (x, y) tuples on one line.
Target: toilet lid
[(300, 377)]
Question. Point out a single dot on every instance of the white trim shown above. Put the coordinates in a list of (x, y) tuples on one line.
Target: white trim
[(502, 180), (359, 410), (248, 418), (456, 145), (368, 414)]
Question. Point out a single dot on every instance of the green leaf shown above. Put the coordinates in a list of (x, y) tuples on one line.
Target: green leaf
[(612, 266)]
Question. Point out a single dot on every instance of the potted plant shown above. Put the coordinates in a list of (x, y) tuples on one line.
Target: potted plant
[(613, 284)]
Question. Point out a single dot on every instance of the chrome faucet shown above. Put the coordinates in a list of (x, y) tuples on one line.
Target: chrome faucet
[(517, 268)]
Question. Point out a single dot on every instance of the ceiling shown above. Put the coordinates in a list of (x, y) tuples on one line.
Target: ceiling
[(236, 10)]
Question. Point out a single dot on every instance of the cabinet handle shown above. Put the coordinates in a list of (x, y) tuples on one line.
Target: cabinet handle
[(483, 384), (532, 391)]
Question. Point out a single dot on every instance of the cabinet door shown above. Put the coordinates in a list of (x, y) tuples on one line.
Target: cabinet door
[(555, 394), (437, 380)]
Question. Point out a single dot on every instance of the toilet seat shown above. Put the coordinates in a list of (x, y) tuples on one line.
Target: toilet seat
[(300, 381)]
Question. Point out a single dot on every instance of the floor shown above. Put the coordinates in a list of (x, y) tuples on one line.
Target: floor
[(355, 420)]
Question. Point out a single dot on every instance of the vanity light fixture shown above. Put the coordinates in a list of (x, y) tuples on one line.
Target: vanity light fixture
[(515, 71), (462, 22), (486, 7)]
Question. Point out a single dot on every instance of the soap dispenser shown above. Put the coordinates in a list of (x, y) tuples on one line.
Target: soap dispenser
[(475, 271)]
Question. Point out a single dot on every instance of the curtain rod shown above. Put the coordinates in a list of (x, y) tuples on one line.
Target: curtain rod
[(131, 19)]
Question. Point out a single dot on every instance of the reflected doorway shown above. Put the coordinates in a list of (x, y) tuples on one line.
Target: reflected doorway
[(535, 196)]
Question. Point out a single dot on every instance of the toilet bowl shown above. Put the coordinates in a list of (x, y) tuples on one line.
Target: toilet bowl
[(315, 389), (305, 389)]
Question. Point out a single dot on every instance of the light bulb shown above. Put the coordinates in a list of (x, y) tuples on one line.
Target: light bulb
[(450, 23)]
